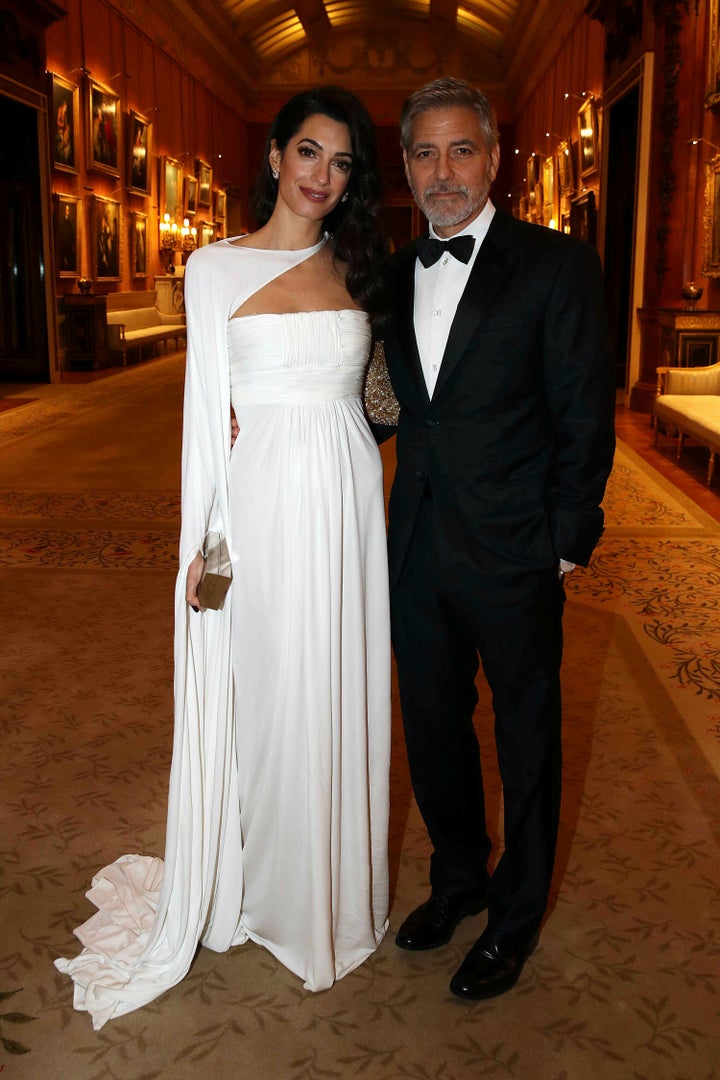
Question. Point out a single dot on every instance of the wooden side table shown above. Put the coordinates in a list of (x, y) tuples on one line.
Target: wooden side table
[(86, 332), (689, 338)]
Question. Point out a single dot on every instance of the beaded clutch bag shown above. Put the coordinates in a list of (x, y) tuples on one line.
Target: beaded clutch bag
[(380, 402)]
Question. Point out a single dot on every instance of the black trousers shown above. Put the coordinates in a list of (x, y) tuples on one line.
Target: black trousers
[(442, 625)]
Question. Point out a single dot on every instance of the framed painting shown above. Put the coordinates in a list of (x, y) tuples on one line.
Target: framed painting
[(103, 129), (170, 190), (139, 140), (712, 96), (191, 195), (204, 175), (548, 187), (206, 233), (711, 247), (532, 171), (68, 235), (138, 244), (587, 137), (64, 123), (583, 218), (220, 206), (105, 239), (565, 169)]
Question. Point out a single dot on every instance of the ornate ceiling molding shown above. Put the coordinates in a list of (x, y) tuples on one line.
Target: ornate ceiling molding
[(251, 46)]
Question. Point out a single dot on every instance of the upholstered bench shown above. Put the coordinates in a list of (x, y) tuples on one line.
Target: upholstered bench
[(133, 321), (688, 402)]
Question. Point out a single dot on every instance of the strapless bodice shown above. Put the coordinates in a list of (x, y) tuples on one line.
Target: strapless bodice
[(298, 357)]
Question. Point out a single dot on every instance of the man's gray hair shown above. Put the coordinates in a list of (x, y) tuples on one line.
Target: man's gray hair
[(444, 94)]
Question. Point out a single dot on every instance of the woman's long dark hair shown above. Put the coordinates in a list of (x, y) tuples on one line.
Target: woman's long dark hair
[(357, 231)]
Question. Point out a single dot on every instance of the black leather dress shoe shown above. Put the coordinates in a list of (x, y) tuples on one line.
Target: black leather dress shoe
[(491, 967), (434, 922)]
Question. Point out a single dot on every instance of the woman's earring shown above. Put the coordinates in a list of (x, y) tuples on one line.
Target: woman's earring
[(275, 174), (344, 198)]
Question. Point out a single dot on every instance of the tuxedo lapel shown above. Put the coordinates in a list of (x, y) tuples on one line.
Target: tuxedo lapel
[(405, 323), (488, 277)]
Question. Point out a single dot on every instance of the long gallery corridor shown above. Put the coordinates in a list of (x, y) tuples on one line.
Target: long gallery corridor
[(624, 982)]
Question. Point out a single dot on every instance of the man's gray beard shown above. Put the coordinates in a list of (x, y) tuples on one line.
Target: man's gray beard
[(449, 216), (447, 219)]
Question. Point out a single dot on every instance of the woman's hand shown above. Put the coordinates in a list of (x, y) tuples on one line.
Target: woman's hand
[(234, 428), (192, 582)]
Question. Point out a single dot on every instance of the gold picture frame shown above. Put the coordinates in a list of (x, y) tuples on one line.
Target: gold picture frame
[(587, 137), (204, 175), (532, 171), (170, 187), (138, 245), (711, 216), (712, 94), (565, 167), (548, 187), (139, 140), (103, 129), (68, 235), (64, 123), (206, 233), (106, 233), (583, 218), (191, 195)]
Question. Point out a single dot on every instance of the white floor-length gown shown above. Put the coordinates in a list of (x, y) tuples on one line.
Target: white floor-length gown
[(278, 806)]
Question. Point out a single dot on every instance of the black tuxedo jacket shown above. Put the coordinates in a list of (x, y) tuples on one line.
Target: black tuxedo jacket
[(517, 441)]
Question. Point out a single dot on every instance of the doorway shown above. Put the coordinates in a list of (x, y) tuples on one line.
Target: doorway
[(24, 350), (619, 223), (627, 127)]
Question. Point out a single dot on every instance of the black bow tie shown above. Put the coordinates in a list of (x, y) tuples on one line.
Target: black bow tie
[(429, 249)]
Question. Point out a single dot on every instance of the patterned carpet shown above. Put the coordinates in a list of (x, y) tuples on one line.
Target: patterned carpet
[(624, 983)]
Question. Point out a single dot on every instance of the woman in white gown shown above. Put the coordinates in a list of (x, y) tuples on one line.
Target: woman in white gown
[(278, 807)]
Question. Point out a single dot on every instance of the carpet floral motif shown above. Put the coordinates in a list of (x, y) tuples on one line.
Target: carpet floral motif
[(678, 609), (82, 505), (84, 547), (12, 1045), (631, 501)]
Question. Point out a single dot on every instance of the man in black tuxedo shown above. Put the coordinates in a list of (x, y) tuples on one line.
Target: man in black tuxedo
[(498, 354)]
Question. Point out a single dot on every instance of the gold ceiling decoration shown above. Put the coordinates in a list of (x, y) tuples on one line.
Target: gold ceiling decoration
[(276, 27), (381, 43)]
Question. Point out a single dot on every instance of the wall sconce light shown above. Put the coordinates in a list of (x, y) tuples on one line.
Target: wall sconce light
[(168, 241), (696, 142), (188, 238), (582, 96)]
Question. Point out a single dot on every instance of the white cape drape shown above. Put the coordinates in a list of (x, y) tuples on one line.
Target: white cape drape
[(152, 915)]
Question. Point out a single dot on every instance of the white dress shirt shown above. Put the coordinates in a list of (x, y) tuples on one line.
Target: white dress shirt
[(438, 289)]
